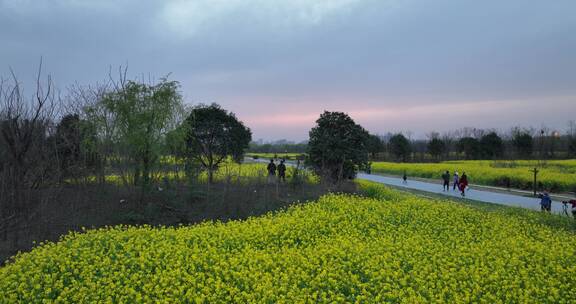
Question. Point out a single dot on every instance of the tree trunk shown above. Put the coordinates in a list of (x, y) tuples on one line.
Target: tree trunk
[(210, 175)]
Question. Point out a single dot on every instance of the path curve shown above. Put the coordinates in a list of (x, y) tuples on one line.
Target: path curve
[(473, 194)]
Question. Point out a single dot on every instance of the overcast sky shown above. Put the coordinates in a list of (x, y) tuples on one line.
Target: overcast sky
[(393, 65)]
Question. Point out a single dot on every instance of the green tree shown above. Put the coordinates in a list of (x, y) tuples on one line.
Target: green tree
[(213, 135), (436, 147), (375, 145), (572, 146), (400, 147), (75, 141), (68, 140), (176, 141), (571, 137), (523, 143), (470, 146), (492, 145), (142, 115), (338, 146)]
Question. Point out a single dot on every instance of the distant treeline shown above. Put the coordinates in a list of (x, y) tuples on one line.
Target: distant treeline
[(279, 146), (462, 144), (478, 144)]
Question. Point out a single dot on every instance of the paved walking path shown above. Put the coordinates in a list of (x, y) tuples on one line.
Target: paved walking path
[(473, 194), (478, 195)]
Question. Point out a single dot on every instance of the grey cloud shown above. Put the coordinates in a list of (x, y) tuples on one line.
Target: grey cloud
[(378, 53)]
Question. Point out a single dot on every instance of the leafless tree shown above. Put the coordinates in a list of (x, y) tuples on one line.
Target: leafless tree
[(27, 153)]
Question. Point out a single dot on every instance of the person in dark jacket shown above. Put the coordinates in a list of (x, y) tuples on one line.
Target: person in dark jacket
[(271, 170), (282, 171), (446, 179), (545, 201), (573, 203)]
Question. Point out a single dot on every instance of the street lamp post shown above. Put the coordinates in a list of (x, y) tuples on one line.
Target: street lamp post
[(535, 186)]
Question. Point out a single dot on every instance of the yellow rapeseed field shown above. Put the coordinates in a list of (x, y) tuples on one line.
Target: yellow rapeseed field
[(393, 248), (289, 156), (559, 175), (228, 171)]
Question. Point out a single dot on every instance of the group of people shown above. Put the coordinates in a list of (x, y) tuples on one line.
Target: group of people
[(459, 182), (546, 204), (272, 168)]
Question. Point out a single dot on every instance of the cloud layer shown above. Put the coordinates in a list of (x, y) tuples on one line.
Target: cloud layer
[(278, 64)]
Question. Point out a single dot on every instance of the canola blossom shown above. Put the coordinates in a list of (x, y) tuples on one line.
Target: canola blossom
[(281, 155), (555, 175), (393, 248), (227, 172)]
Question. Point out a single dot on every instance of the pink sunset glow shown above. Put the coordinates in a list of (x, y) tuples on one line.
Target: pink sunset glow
[(295, 122)]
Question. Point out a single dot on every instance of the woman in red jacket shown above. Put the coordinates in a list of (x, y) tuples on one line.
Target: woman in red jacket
[(463, 183)]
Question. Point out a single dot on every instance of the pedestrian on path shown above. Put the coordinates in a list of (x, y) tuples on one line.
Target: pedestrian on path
[(463, 183), (456, 181), (282, 171), (573, 203), (545, 201), (405, 178), (446, 179), (271, 171)]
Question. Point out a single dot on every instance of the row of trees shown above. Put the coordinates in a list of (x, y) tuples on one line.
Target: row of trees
[(467, 143), (123, 128), (338, 147), (278, 147), (470, 143)]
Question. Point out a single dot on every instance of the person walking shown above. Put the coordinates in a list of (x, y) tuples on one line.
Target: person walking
[(446, 179), (463, 184), (282, 171), (545, 202), (405, 178), (573, 203), (271, 171), (456, 181)]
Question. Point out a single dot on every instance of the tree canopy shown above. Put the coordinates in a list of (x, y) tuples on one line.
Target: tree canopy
[(470, 146), (523, 143), (492, 145), (213, 135), (142, 115), (436, 147), (375, 145), (400, 147), (338, 146)]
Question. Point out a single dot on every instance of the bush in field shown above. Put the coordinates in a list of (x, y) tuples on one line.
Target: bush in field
[(344, 249), (337, 146)]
